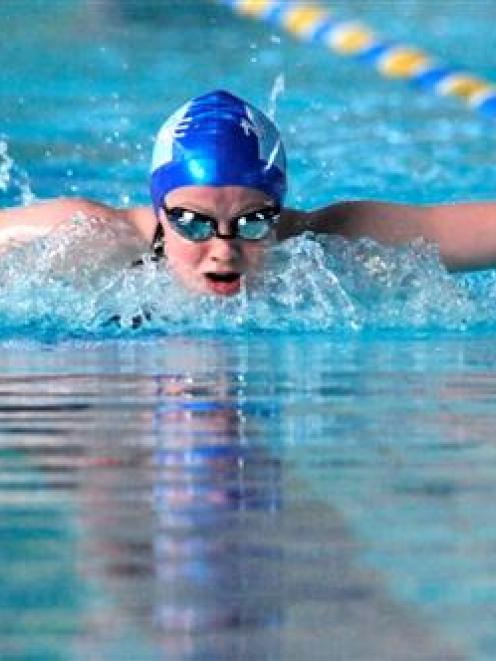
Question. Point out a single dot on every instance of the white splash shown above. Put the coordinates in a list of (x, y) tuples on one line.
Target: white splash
[(278, 88), (6, 164), (13, 177), (80, 281)]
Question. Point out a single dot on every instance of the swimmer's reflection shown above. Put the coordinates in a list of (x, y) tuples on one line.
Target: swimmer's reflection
[(181, 531)]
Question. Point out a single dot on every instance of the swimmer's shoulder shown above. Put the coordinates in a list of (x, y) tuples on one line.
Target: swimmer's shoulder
[(291, 223), (294, 222), (38, 219), (144, 220)]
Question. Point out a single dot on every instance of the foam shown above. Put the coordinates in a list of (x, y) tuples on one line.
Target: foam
[(77, 280)]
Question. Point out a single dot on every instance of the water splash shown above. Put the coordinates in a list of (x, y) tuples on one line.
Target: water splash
[(14, 181), (278, 88), (79, 282), (6, 164)]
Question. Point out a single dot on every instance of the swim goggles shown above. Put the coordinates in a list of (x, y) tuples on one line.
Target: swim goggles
[(197, 226)]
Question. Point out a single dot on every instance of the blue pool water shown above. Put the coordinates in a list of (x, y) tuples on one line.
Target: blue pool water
[(306, 469)]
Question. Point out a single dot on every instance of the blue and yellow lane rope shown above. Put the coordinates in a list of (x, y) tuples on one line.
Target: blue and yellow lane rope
[(313, 23)]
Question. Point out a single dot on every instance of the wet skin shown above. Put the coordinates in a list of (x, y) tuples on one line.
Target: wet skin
[(465, 233), (216, 266)]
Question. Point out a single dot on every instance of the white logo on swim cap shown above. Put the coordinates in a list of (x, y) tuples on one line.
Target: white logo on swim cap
[(270, 149), (249, 123), (173, 128), (269, 143)]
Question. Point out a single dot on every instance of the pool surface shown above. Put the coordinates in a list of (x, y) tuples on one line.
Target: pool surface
[(304, 471)]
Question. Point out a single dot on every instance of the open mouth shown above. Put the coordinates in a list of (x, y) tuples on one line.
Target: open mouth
[(223, 277), (224, 284)]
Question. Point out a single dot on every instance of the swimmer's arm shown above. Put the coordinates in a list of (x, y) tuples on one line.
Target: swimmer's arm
[(464, 232), (24, 224)]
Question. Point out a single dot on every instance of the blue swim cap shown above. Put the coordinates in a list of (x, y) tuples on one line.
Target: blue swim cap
[(218, 140)]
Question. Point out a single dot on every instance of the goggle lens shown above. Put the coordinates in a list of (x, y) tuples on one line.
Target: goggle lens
[(190, 224), (196, 226), (255, 226)]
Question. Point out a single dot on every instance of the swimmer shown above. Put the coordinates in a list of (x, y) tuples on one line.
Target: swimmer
[(218, 183)]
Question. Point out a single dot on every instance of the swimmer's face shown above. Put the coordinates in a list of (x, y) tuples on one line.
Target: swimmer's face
[(216, 266)]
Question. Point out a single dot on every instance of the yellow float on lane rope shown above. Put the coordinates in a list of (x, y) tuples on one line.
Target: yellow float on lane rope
[(311, 22)]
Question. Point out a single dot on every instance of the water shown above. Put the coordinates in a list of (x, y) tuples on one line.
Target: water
[(306, 469), (206, 498)]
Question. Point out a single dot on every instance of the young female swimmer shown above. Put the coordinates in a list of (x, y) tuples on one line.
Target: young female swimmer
[(218, 182)]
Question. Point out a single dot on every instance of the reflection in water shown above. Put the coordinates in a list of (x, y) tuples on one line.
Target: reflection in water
[(194, 492), (157, 513), (211, 574)]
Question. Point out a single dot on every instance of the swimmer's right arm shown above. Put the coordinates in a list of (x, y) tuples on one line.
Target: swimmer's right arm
[(24, 224)]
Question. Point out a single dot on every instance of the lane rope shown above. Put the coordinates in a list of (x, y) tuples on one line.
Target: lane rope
[(312, 23)]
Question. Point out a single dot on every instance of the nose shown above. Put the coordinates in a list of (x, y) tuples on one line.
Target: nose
[(224, 250)]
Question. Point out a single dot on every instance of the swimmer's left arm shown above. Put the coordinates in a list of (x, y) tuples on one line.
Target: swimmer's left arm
[(464, 232), (384, 222)]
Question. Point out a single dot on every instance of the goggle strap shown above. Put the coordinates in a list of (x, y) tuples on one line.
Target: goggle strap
[(158, 242)]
